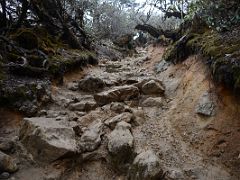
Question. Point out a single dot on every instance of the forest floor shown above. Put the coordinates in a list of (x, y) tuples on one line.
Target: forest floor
[(193, 126)]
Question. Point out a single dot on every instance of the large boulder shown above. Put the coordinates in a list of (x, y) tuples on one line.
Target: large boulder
[(117, 94), (47, 139), (7, 163), (91, 137), (126, 117), (91, 84), (120, 144), (146, 166)]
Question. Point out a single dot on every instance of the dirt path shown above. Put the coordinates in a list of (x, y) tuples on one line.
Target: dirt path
[(189, 145)]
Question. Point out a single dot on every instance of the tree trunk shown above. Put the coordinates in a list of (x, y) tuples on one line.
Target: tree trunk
[(23, 15), (3, 14), (150, 29), (174, 35)]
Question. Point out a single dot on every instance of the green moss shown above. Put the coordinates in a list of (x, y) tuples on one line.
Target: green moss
[(72, 60), (179, 50), (221, 50)]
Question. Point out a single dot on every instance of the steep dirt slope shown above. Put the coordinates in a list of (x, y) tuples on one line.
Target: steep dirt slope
[(216, 136)]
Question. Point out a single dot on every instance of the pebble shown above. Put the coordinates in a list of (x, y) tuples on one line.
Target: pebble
[(4, 175)]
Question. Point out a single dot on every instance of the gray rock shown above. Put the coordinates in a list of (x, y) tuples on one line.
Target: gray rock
[(73, 86), (81, 113), (91, 84), (7, 163), (206, 105), (117, 94), (91, 137), (162, 66), (138, 116), (29, 108), (52, 114), (47, 139), (6, 145), (146, 166), (153, 102), (4, 175), (117, 107), (174, 175), (126, 117), (113, 68), (152, 87), (84, 105), (120, 144)]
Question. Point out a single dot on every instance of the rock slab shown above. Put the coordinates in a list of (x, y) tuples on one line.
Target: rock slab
[(206, 105), (126, 117), (117, 94), (152, 87), (47, 139)]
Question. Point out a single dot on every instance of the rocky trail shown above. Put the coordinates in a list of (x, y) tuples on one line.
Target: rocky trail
[(138, 118)]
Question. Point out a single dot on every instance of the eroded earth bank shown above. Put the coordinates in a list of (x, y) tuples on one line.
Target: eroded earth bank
[(137, 118)]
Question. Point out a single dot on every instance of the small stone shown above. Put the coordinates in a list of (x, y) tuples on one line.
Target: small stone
[(174, 174), (59, 118), (81, 113), (152, 87), (117, 107), (4, 175), (73, 86), (7, 163), (91, 84), (63, 113), (153, 102), (206, 105), (84, 105), (126, 117), (138, 116), (78, 130), (6, 145), (43, 113), (162, 66)]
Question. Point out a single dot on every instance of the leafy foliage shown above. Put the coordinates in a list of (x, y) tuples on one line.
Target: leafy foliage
[(221, 15)]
